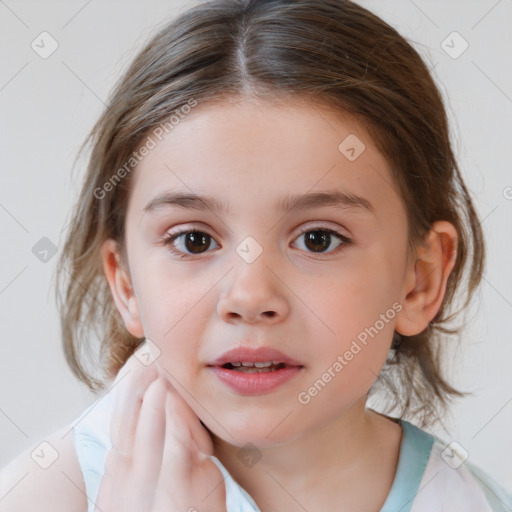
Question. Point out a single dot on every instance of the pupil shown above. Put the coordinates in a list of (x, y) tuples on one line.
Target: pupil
[(316, 241), (321, 237), (199, 241)]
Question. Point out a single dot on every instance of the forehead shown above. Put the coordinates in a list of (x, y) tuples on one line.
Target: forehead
[(255, 152)]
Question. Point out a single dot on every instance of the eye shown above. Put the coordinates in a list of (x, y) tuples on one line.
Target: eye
[(318, 239), (194, 241)]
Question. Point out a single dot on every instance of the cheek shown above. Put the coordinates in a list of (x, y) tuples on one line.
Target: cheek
[(172, 314), (169, 293), (354, 361), (348, 368), (358, 311), (358, 298)]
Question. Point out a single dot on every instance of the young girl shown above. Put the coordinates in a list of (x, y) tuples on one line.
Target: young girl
[(272, 228)]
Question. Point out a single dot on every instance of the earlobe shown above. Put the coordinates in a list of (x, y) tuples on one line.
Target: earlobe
[(426, 280), (121, 288)]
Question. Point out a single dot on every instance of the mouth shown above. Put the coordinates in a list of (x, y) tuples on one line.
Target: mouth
[(251, 380), (248, 367), (247, 371), (246, 358)]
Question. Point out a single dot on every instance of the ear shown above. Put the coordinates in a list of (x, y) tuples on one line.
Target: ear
[(426, 279), (121, 287)]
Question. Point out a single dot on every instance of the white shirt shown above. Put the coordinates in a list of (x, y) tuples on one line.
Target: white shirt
[(431, 476)]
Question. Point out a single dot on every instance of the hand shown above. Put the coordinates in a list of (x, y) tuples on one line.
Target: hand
[(158, 461)]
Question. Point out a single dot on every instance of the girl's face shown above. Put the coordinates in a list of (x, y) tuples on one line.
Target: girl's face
[(250, 278)]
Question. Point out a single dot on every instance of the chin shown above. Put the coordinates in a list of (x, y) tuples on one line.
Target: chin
[(264, 431)]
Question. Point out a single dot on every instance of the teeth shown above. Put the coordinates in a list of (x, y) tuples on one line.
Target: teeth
[(253, 369), (246, 366), (257, 365), (249, 367)]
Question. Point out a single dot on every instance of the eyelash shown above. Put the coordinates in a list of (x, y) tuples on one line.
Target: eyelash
[(169, 239)]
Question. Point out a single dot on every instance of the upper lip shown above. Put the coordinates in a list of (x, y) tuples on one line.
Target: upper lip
[(254, 355)]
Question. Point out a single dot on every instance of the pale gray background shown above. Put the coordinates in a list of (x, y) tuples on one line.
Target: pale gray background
[(48, 106)]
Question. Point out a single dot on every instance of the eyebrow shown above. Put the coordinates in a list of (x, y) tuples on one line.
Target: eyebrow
[(312, 200)]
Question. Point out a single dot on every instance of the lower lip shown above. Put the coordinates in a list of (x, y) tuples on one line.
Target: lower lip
[(257, 383)]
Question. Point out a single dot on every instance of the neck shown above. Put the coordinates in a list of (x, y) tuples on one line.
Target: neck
[(336, 458)]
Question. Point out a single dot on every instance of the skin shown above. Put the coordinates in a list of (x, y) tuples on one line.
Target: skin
[(249, 154)]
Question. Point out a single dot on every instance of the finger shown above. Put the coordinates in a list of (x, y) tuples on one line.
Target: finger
[(149, 443), (200, 436), (119, 460), (183, 474), (177, 455), (127, 402), (150, 434)]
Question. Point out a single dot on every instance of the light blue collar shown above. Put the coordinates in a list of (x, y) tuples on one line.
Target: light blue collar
[(415, 449)]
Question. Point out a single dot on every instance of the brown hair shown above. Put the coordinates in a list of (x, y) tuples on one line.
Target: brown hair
[(333, 52)]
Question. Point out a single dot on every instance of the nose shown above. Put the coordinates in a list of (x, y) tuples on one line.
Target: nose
[(253, 293)]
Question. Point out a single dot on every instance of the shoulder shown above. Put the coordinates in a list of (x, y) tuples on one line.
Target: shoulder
[(451, 480), (46, 477)]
